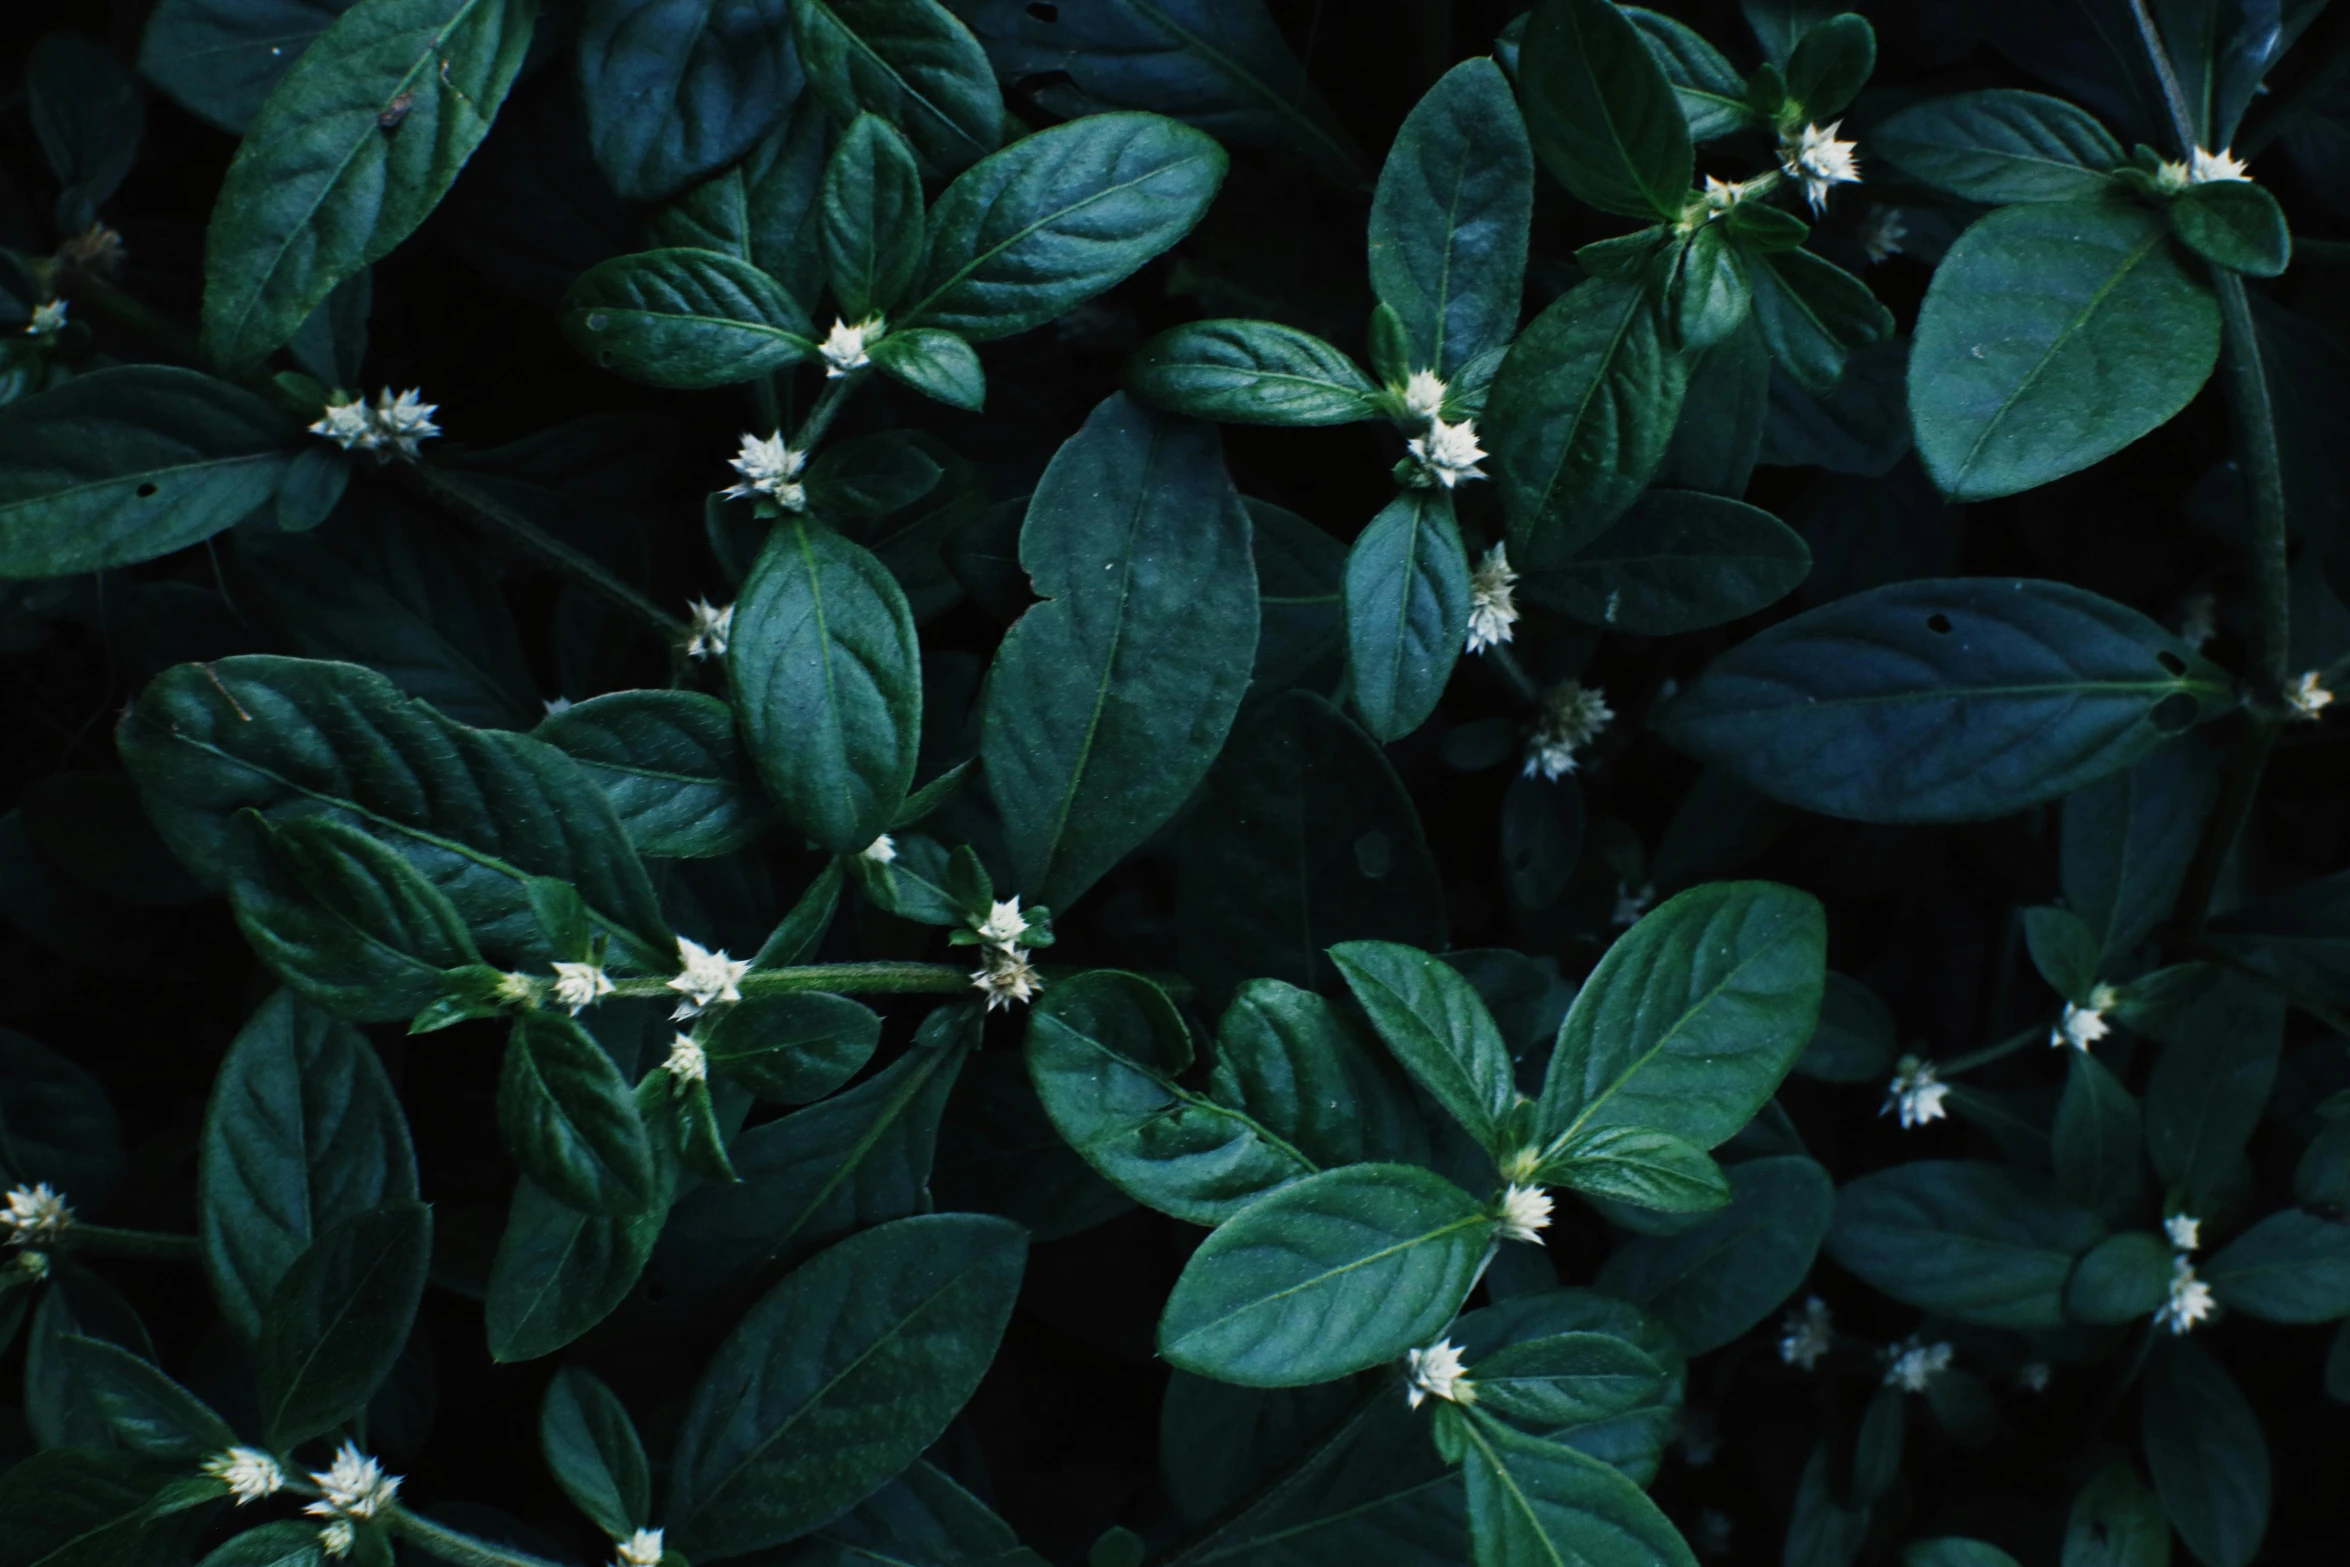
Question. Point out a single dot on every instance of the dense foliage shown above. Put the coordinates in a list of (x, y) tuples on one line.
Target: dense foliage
[(918, 782)]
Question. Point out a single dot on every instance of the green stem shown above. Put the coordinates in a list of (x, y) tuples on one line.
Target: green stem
[(1990, 1053), (106, 1241), (869, 978), (828, 403), (448, 1545), (2174, 100), (455, 493)]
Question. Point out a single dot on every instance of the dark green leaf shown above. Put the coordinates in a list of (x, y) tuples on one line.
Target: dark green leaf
[(1953, 1552), (1830, 64), (56, 1123), (2000, 146), (1407, 611), (2299, 938), (2210, 1462), (220, 58), (872, 218), (1534, 1503), (1303, 1071), (1567, 1379), (685, 318), (2126, 841), (2121, 1278), (1855, 1041), (2063, 949), (1640, 1166), (934, 363), (672, 766), (77, 1508), (1250, 372), (558, 1272), (2218, 1062), (2234, 224), (920, 1517), (1814, 315), (337, 1320), (2290, 1267), (796, 1048), (2116, 1522), (87, 114), (1602, 117), (570, 1119), (591, 1448), (147, 1411), (1716, 1279), (1719, 431), (1437, 1027), (285, 1543), (1300, 596), (2097, 1139), (1677, 561), (909, 62), (1709, 89), (1976, 1242), (677, 89)]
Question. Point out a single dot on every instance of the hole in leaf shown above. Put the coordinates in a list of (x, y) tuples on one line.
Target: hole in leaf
[(2174, 713), (1043, 12), (1374, 854), (150, 488), (1939, 624), (2171, 662)]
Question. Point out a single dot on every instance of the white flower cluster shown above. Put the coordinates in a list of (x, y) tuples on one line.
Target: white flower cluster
[(705, 978), (1572, 717), (1448, 453), (641, 1549), (353, 1489), (1814, 156), (2200, 168), (769, 468), (1493, 608), (48, 319), (35, 1213), (1004, 974), (1914, 1366), (1916, 1092), (2308, 696), (2081, 1027), (1525, 1213), (1806, 1336), (394, 427), (2190, 1300), (580, 985), (250, 1474), (848, 347), (708, 630), (1437, 1372)]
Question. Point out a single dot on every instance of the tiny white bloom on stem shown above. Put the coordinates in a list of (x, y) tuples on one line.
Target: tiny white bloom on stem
[(348, 425), (249, 1474), (2080, 1027), (1916, 1092), (353, 1486), (1493, 608), (556, 705), (2033, 1378), (2185, 1231), (705, 977), (519, 989), (1448, 453), (686, 1061), (707, 629), (881, 850), (1572, 717), (337, 1538), (1423, 396), (1631, 902), (1881, 235), (641, 1549), (1721, 195), (1005, 976), (35, 1213), (1814, 156), (579, 985), (1807, 1335), (2307, 696), (2190, 1299), (1004, 925), (48, 319), (1915, 1365), (1437, 1372), (2205, 167), (845, 346), (404, 421), (33, 1264), (769, 468), (1525, 1213)]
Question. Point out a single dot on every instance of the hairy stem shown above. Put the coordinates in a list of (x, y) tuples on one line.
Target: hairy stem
[(106, 1241), (446, 1544), (2174, 100), (828, 403), (870, 978)]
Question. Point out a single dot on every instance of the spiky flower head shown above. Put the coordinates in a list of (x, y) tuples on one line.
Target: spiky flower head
[(348, 425), (1814, 156), (1004, 925), (1807, 1334), (1525, 1213), (1423, 396), (2184, 1230), (1721, 195), (1437, 1372), (1004, 976), (1916, 1092), (353, 1486), (708, 626), (1493, 608), (705, 977), (687, 1062), (249, 1473), (881, 850), (35, 1213), (1915, 1366), (337, 1538), (2307, 696), (641, 1549), (2190, 1300), (2079, 1026), (580, 985), (48, 319), (845, 347), (1448, 453), (769, 468), (1572, 717), (404, 422)]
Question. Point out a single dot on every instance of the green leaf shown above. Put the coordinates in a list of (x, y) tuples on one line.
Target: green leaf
[(1324, 1277), (1602, 117), (1950, 700), (1580, 416), (1640, 1166), (857, 1159), (919, 1517), (1692, 1018), (1057, 217), (124, 464), (1953, 1552), (796, 1048), (2000, 146), (74, 1507), (2097, 1139), (570, 1120), (1534, 1503), (1302, 1070), (1407, 611), (1719, 1277), (2290, 1267), (478, 811), (2121, 1278), (353, 150), (1709, 294), (147, 1411), (872, 218), (2116, 1522), (56, 1123), (285, 1543), (1830, 64), (1105, 1050), (839, 1378), (592, 1449), (2126, 840), (2063, 949), (909, 62), (1677, 561), (2218, 1063), (936, 364), (685, 318), (1855, 1041), (827, 684), (2234, 224), (1711, 93), (558, 1272), (1449, 219), (303, 1132), (2053, 335), (1813, 315), (1250, 372), (677, 89), (1978, 1243), (337, 1320), (2209, 1460), (1567, 1379), (672, 766), (219, 59), (1108, 701), (2299, 938), (1438, 1028)]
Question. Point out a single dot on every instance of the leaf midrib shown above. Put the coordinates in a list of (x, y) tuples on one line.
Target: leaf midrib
[(1428, 1237)]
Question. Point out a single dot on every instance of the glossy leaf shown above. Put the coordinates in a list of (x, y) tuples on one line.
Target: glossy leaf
[(593, 1451), (1434, 1023), (558, 1272), (1716, 1279), (2001, 145), (672, 766), (1534, 1503), (685, 318), (872, 218), (796, 1047), (219, 59), (1677, 561), (909, 62), (570, 1120), (147, 1411), (1602, 117), (2208, 1457), (1976, 1242), (1250, 372), (2292, 1266), (2126, 840), (338, 1318), (675, 90), (1407, 611)]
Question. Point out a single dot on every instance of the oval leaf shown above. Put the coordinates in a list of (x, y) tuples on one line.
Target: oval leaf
[(685, 318)]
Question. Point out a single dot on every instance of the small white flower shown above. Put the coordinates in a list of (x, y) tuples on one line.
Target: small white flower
[(2190, 1299), (2204, 167), (353, 1486), (1721, 195), (48, 319), (1448, 453), (705, 977), (1493, 608), (2185, 1231), (708, 629), (337, 1538), (686, 1061), (1525, 1213), (1003, 926), (881, 850), (35, 1213), (403, 422), (641, 1549), (1820, 161), (1423, 396), (1631, 902), (2033, 1378), (248, 1473), (1915, 1365), (769, 468), (518, 989), (33, 1264), (2308, 696), (2080, 1027), (845, 347), (578, 985), (1916, 1092), (349, 426), (1005, 977), (1881, 235), (556, 705), (1572, 717), (1437, 1371), (1807, 1335)]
